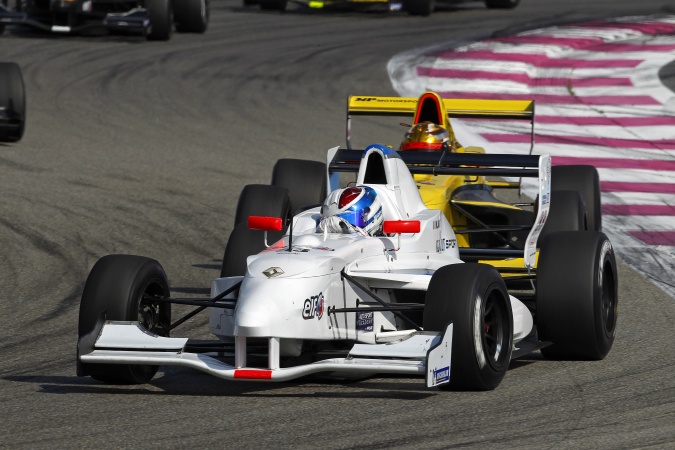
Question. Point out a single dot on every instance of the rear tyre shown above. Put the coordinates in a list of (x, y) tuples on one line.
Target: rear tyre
[(160, 13), (586, 181), (13, 98), (121, 287), (577, 295), (255, 200), (420, 7), (566, 213), (502, 4), (262, 200), (191, 16), (474, 298), (273, 5), (305, 181)]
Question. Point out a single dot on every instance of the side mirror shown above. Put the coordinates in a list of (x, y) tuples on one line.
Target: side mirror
[(265, 223), (400, 226)]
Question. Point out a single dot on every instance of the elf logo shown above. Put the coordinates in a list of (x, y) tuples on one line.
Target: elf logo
[(313, 307)]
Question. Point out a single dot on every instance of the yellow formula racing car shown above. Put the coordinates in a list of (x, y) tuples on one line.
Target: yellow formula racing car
[(484, 215)]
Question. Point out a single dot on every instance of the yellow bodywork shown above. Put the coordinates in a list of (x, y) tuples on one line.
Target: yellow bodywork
[(436, 190)]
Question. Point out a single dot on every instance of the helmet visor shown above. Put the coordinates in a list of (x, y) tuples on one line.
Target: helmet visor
[(356, 218)]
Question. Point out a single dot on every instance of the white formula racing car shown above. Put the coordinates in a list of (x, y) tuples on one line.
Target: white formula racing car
[(404, 299)]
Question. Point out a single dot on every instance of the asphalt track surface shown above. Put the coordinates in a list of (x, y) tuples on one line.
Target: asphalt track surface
[(143, 148)]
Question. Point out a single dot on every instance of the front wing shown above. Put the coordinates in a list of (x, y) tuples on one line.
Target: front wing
[(418, 354)]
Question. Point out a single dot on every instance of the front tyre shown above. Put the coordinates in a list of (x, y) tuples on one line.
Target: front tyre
[(191, 16), (122, 288), (160, 13), (13, 99), (577, 295), (474, 298)]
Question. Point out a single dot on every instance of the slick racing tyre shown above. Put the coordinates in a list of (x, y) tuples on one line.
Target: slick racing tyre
[(502, 4), (586, 181), (121, 287), (474, 298), (13, 98), (255, 200), (262, 200), (160, 13), (191, 16), (576, 297), (420, 7), (305, 181), (566, 213)]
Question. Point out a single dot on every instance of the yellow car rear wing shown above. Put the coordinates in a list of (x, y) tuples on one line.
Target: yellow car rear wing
[(430, 106)]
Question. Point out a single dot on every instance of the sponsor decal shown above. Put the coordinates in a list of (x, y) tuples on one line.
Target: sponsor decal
[(437, 224), (441, 375), (313, 307), (448, 243), (273, 272), (365, 321), (381, 100)]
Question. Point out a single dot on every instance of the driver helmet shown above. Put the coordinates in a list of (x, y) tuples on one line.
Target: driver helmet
[(426, 136), (353, 209)]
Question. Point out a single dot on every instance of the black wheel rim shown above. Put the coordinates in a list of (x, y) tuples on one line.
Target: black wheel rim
[(153, 315)]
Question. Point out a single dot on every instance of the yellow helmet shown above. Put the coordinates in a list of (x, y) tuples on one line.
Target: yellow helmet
[(426, 136)]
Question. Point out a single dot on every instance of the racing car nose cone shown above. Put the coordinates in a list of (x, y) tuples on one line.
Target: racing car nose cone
[(251, 323), (284, 264)]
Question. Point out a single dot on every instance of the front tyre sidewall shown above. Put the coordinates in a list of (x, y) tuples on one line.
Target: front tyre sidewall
[(13, 99), (474, 298), (114, 291), (160, 13), (191, 16)]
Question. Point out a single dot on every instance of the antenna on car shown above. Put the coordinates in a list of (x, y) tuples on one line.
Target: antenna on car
[(290, 232)]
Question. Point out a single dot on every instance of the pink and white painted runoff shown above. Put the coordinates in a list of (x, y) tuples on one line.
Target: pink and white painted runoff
[(599, 100)]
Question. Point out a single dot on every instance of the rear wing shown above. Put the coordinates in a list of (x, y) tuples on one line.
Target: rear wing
[(447, 163), (361, 105)]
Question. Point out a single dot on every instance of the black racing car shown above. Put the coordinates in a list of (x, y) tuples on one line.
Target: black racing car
[(153, 18)]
